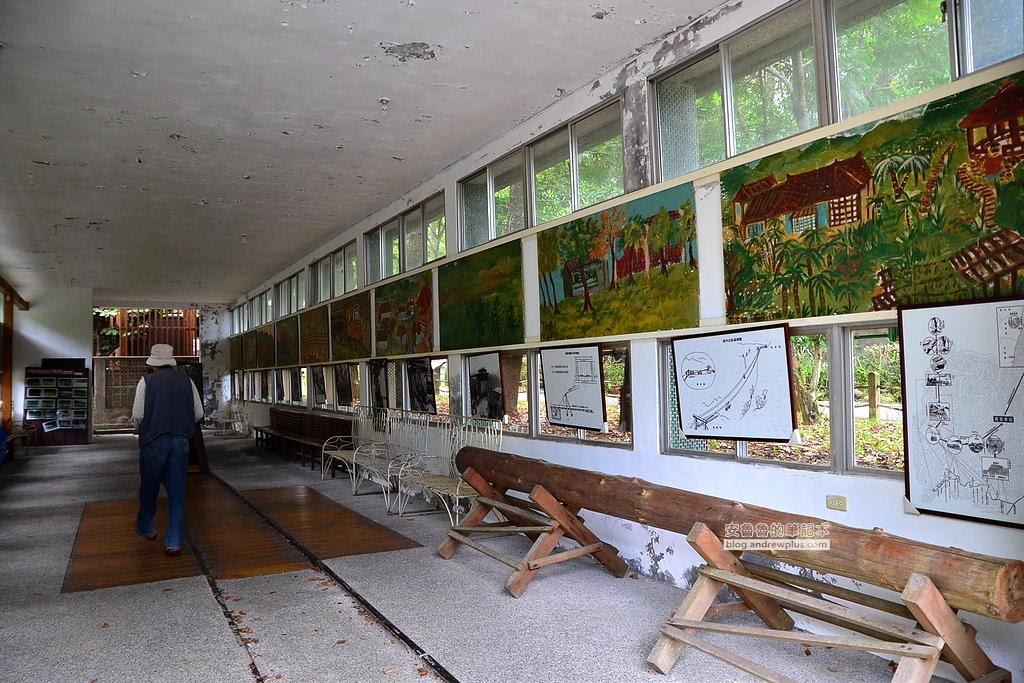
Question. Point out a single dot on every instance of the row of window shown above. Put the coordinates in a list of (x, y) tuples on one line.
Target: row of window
[(846, 380)]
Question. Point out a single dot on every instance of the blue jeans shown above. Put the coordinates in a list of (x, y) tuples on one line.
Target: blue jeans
[(164, 459)]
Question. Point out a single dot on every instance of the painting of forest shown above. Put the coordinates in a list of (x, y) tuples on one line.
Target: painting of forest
[(480, 298), (350, 327), (266, 353), (923, 207), (314, 340), (249, 355), (630, 268), (287, 331), (405, 316)]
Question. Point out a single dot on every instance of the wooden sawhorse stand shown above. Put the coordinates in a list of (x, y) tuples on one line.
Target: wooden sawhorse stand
[(918, 651), (546, 530)]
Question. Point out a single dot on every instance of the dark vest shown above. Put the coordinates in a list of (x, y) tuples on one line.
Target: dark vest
[(169, 406)]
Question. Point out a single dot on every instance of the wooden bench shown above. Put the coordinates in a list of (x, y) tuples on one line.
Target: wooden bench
[(301, 433), (930, 582)]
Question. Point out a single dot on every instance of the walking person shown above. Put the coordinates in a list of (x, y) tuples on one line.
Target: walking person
[(166, 408)]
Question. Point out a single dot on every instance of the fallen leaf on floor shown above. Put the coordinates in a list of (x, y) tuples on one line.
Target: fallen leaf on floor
[(341, 642), (278, 677), (835, 671), (389, 671), (245, 629), (423, 671), (106, 625), (326, 583), (807, 652), (167, 590)]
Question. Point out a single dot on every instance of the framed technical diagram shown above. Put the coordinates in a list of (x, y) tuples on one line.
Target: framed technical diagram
[(573, 386), (735, 384), (963, 409)]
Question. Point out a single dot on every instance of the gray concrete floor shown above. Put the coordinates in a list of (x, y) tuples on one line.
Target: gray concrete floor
[(575, 622)]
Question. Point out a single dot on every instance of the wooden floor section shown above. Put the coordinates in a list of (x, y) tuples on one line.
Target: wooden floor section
[(232, 539)]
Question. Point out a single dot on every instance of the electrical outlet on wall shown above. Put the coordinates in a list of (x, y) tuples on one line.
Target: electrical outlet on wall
[(833, 502)]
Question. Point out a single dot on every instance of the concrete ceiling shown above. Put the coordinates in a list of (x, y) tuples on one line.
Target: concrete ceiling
[(140, 139)]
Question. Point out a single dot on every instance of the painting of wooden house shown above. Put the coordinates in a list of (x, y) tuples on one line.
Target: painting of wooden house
[(828, 197)]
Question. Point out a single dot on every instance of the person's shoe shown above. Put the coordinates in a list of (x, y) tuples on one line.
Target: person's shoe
[(148, 537), (173, 552)]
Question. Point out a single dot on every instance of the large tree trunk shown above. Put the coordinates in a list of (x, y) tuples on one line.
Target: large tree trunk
[(977, 583)]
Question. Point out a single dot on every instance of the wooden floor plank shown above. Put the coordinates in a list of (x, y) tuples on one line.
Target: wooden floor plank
[(232, 539), (327, 528)]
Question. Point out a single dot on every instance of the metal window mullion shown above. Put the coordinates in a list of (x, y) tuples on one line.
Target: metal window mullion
[(492, 213), (841, 399), (826, 49), (574, 170), (728, 104), (961, 38)]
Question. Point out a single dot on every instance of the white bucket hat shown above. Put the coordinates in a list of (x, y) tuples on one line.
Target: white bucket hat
[(161, 354)]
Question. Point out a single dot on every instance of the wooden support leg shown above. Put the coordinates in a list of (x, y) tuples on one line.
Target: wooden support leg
[(936, 616), (475, 515), (542, 547), (577, 530), (694, 606), (714, 553)]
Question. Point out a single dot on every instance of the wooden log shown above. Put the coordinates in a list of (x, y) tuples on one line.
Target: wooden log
[(973, 582)]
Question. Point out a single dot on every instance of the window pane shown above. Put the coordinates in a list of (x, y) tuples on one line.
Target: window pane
[(324, 279), (293, 292), (394, 391), (599, 156), (810, 386), (888, 51), (339, 272), (268, 305), (354, 372), (773, 80), (877, 399), (373, 256), (509, 214), (283, 298), (515, 380), (433, 216), (412, 223), (618, 399), (351, 267), (318, 385), (996, 31), (392, 236), (552, 182), (442, 395), (301, 281), (474, 210), (691, 118)]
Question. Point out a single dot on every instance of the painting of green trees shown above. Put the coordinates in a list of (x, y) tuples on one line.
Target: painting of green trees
[(630, 268), (922, 207), (480, 299), (404, 321)]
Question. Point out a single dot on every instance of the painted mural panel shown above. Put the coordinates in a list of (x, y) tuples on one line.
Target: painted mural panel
[(480, 299), (249, 355), (235, 361), (350, 327), (405, 316), (314, 337), (630, 268), (266, 353), (287, 332), (923, 207)]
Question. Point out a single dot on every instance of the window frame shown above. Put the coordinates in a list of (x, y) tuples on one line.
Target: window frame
[(375, 244), (489, 172), (839, 337)]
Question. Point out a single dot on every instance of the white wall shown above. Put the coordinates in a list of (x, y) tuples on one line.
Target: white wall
[(58, 324)]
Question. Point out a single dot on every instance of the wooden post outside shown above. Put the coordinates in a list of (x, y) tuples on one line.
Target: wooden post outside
[(873, 395)]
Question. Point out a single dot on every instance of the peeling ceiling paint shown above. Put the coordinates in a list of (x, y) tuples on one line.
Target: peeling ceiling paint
[(141, 138)]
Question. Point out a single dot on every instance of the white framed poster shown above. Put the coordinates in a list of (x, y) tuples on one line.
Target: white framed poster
[(963, 408), (573, 386), (736, 384)]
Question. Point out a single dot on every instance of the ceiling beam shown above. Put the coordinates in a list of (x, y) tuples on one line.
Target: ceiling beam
[(9, 291)]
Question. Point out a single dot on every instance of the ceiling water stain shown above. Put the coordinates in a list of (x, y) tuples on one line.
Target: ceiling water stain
[(406, 51)]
